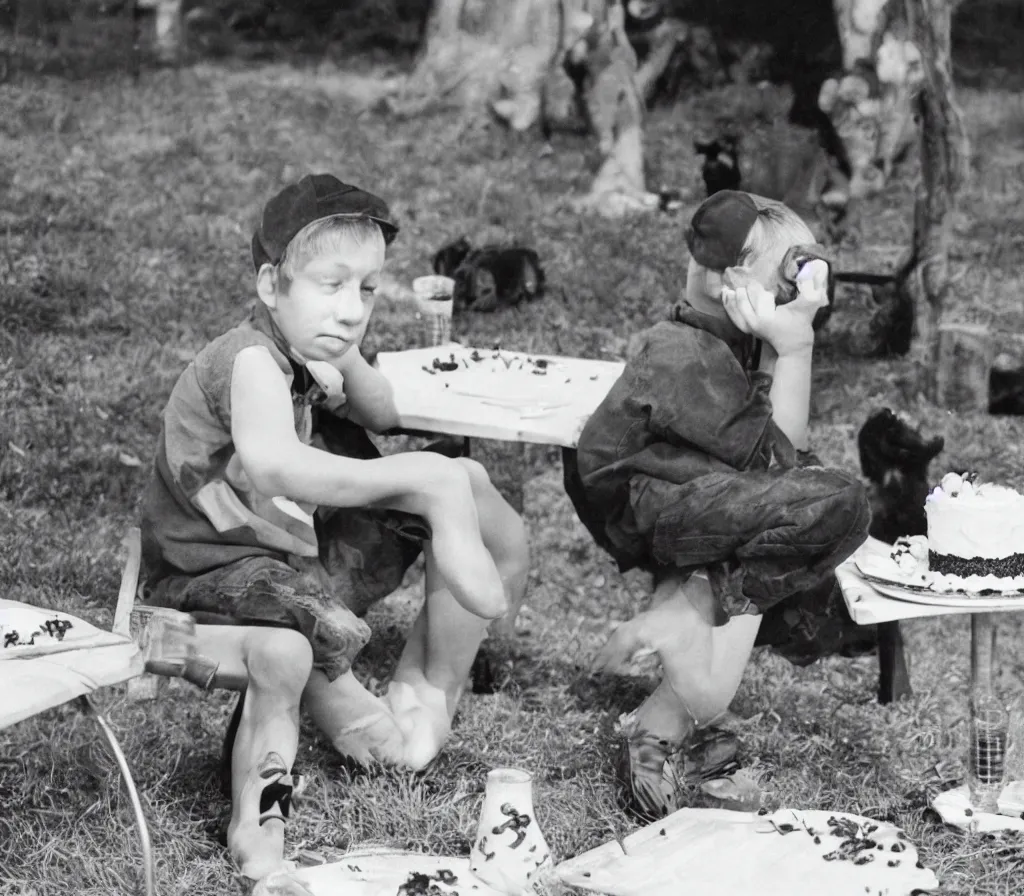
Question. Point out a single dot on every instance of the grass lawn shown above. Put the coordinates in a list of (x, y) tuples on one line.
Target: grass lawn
[(124, 237)]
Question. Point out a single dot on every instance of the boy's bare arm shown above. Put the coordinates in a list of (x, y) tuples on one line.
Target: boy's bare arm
[(789, 346), (790, 392), (371, 399), (263, 431)]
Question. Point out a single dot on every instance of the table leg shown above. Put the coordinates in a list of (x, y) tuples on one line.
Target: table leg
[(893, 671), (983, 651), (140, 819)]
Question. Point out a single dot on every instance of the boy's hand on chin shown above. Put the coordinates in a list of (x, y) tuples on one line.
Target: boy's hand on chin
[(786, 328), (331, 380)]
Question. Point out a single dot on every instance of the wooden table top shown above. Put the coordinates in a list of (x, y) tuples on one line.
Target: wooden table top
[(496, 394), (868, 606)]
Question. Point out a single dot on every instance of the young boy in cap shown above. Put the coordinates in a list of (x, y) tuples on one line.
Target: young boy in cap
[(694, 467), (273, 520)]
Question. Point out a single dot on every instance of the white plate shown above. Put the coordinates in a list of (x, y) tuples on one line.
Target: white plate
[(709, 852), (874, 562), (960, 599)]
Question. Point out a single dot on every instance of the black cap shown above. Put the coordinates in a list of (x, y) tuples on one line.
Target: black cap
[(719, 228), (313, 198)]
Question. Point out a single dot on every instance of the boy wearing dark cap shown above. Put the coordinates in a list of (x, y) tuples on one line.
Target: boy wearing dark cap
[(694, 467), (272, 519)]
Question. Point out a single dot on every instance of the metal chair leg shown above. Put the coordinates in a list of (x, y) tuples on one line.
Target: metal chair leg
[(140, 818)]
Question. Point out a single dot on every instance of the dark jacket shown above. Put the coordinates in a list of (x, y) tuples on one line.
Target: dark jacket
[(682, 466)]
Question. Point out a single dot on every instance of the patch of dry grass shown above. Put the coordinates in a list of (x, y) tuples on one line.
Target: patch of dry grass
[(123, 247)]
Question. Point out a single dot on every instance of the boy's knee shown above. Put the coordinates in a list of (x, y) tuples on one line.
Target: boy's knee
[(512, 555), (279, 659), (479, 478)]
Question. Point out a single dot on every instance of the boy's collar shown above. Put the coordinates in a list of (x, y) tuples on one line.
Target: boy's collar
[(722, 327), (263, 320), (745, 347)]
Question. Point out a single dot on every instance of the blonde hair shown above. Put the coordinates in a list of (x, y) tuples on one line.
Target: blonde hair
[(776, 230), (326, 236)]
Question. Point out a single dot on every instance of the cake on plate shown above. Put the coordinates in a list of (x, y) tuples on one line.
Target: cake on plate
[(976, 529)]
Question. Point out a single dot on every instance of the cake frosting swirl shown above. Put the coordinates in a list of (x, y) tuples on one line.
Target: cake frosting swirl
[(975, 529)]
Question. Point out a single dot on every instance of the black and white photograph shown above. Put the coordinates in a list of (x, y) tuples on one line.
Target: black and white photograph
[(511, 447)]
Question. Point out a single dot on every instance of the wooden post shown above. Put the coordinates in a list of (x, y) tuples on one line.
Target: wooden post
[(964, 363), (484, 56), (129, 622)]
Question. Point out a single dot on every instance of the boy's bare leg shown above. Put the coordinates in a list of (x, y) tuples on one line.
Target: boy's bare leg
[(272, 666), (357, 723), (703, 664), (445, 638)]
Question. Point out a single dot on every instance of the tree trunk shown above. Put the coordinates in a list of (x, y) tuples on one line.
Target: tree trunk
[(485, 55), (860, 24), (168, 28), (943, 164)]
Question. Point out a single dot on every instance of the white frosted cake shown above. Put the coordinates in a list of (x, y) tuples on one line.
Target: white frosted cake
[(976, 532)]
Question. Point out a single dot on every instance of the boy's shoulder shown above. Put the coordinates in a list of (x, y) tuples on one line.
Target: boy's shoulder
[(677, 337), (211, 371), (223, 349)]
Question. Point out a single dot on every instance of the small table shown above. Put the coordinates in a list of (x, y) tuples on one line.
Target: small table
[(867, 607), (33, 684), (543, 399)]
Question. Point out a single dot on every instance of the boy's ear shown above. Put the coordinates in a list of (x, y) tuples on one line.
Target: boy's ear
[(266, 285)]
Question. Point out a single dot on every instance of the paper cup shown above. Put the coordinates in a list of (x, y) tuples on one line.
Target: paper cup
[(434, 308)]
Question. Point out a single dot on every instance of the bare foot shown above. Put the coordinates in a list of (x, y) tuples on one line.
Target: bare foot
[(667, 630), (422, 713), (361, 725), (469, 572), (374, 738)]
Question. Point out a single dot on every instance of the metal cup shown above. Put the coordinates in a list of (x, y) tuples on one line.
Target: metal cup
[(166, 638)]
